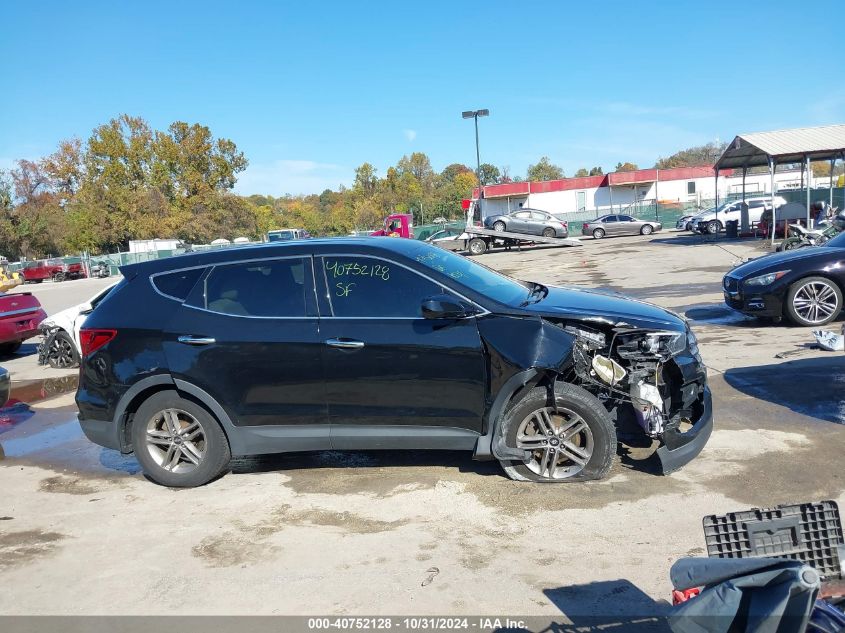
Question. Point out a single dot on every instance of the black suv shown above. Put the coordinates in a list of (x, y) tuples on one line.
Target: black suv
[(380, 343)]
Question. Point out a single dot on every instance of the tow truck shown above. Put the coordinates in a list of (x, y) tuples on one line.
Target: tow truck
[(478, 240)]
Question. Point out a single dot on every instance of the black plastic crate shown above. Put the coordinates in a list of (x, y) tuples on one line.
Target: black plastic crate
[(809, 532)]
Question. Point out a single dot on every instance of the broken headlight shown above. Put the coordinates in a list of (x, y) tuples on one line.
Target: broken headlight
[(663, 344)]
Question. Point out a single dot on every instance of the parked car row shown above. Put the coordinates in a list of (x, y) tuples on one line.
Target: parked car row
[(713, 220), (35, 272)]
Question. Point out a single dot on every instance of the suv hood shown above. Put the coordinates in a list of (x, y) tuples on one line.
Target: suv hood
[(609, 308), (776, 261)]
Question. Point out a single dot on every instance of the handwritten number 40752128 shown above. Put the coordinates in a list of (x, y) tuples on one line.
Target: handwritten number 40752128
[(350, 269)]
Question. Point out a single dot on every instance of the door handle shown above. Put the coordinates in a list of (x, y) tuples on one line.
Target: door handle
[(196, 340), (344, 343)]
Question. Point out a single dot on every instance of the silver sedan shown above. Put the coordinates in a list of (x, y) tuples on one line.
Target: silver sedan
[(613, 225)]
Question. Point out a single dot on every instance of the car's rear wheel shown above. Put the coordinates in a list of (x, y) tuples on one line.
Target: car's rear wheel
[(647, 229), (477, 246), (499, 226), (177, 442), (62, 352), (813, 301), (572, 441), (598, 234), (714, 226), (549, 232)]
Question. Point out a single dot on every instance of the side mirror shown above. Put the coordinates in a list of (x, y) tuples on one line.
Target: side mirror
[(443, 307)]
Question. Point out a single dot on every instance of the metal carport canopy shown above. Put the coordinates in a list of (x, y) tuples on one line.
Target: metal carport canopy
[(798, 145), (784, 146)]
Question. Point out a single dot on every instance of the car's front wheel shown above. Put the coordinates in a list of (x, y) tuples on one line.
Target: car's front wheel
[(477, 246), (571, 439), (647, 229), (713, 227), (813, 301), (62, 353), (598, 234), (177, 442)]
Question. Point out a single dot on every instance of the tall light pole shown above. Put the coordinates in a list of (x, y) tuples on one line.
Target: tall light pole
[(474, 114)]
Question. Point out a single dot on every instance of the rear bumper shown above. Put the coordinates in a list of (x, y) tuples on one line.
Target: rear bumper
[(103, 432), (680, 449), (20, 327)]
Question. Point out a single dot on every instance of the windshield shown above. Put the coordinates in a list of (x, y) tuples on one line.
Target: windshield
[(836, 242), (473, 275)]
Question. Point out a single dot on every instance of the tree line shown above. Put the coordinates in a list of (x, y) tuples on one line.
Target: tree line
[(128, 181)]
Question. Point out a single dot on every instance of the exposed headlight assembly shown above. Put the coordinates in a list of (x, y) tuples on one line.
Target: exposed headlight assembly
[(666, 344), (765, 280)]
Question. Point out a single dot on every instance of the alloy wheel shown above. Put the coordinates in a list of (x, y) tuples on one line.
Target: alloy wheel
[(561, 442), (176, 440), (815, 302), (60, 354), (499, 226)]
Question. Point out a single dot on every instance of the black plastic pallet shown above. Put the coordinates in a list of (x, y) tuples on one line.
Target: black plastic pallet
[(808, 532)]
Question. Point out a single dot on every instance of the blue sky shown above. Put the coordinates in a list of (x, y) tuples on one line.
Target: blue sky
[(311, 90)]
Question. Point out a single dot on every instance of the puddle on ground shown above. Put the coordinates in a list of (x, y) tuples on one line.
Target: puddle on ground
[(33, 391)]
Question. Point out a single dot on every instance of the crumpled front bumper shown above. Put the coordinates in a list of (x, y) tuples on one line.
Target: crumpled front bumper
[(678, 448)]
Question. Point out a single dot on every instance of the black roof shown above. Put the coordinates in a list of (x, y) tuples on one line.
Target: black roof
[(402, 246)]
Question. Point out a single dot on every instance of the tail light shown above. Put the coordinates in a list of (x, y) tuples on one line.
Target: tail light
[(586, 225), (565, 225), (92, 340)]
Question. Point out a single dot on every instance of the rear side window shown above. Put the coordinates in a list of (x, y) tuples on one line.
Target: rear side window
[(271, 288), (179, 284)]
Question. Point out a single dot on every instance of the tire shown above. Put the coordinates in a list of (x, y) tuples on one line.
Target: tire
[(210, 444), (714, 227), (647, 229), (477, 246), (499, 226), (598, 234), (595, 442), (7, 349), (62, 353), (813, 301), (549, 232)]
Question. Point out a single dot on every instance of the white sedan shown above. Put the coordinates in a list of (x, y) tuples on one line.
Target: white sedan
[(63, 348)]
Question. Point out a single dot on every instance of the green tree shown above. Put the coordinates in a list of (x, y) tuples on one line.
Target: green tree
[(544, 170), (692, 156), (596, 171), (581, 173), (626, 167), (366, 179), (489, 174)]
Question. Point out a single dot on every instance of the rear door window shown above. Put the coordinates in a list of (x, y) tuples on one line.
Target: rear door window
[(373, 287), (268, 288), (178, 285), (610, 218)]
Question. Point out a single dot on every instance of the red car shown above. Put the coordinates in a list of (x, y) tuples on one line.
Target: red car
[(20, 316), (54, 269)]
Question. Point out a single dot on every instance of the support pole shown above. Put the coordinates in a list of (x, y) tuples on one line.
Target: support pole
[(807, 160), (743, 216), (830, 186), (772, 194)]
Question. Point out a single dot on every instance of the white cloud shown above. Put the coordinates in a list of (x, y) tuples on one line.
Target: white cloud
[(280, 177), (410, 134)]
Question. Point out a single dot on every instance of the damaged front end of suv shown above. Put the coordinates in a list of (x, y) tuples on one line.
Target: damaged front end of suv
[(654, 381), (640, 361)]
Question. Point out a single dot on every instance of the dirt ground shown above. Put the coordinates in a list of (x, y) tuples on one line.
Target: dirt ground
[(82, 532)]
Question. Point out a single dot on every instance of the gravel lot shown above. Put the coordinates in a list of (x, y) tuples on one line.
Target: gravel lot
[(83, 532)]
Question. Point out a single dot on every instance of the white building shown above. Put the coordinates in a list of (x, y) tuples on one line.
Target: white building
[(685, 186)]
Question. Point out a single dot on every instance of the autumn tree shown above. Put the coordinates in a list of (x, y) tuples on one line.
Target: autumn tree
[(626, 167), (544, 169), (692, 156)]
